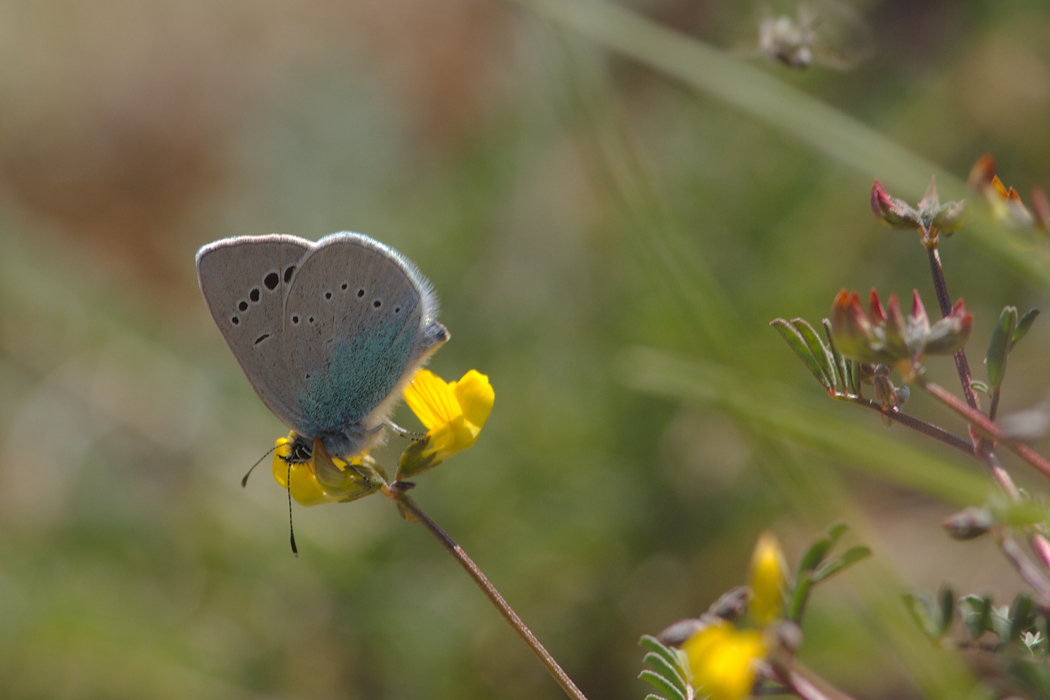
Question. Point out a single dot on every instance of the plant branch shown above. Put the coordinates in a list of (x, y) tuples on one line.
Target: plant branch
[(986, 428), (944, 300), (1028, 570), (928, 429), (803, 682), (411, 511)]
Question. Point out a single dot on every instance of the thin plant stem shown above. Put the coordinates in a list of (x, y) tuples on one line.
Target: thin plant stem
[(984, 448), (944, 300), (986, 427), (411, 510), (803, 682), (917, 424), (1032, 575)]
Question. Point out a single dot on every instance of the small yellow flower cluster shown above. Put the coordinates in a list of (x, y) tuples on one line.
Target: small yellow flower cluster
[(323, 479), (453, 412), (723, 659)]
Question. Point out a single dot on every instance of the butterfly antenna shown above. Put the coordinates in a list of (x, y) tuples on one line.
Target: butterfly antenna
[(291, 529), (244, 481)]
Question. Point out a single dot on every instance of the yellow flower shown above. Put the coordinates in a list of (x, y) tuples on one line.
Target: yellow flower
[(723, 660), (768, 578), (323, 479), (453, 412)]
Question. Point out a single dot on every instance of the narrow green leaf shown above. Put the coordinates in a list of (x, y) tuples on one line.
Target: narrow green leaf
[(654, 645), (1020, 615), (848, 558), (797, 597), (654, 696), (820, 351), (1023, 326), (1001, 622), (798, 344), (919, 605), (662, 684), (999, 346), (670, 672), (979, 615), (815, 554), (978, 385), (854, 377), (946, 609), (841, 366), (836, 530)]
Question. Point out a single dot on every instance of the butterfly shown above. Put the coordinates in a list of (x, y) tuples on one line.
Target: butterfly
[(328, 333)]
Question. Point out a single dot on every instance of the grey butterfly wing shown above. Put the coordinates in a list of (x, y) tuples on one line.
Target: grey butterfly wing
[(244, 281), (359, 319)]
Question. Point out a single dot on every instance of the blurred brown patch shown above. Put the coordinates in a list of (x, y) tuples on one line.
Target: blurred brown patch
[(117, 117)]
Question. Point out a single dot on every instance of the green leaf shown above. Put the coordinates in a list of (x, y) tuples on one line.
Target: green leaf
[(848, 558), (978, 385), (1020, 615), (979, 615), (841, 366), (1023, 326), (999, 346), (854, 377), (814, 555), (1001, 621), (798, 345), (668, 671), (662, 684), (820, 351), (797, 597), (654, 645), (920, 606), (836, 530), (819, 549), (945, 609)]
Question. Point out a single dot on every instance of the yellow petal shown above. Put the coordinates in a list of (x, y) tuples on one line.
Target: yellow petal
[(722, 660), (768, 578), (475, 397), (306, 489), (453, 413), (298, 477), (431, 399)]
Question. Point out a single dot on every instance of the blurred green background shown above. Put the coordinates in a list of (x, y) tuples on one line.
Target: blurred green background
[(609, 243)]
